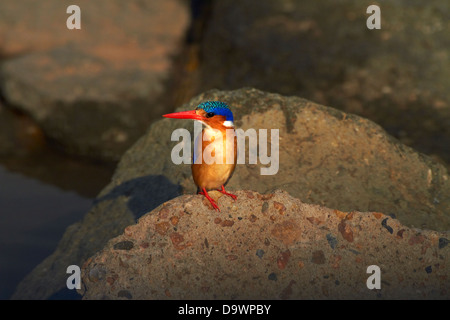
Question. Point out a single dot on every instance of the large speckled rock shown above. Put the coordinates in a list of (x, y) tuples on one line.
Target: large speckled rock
[(269, 246), (327, 157), (94, 90)]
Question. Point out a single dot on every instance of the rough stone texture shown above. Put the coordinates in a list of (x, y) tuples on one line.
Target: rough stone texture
[(327, 157), (196, 255), (397, 76), (97, 89)]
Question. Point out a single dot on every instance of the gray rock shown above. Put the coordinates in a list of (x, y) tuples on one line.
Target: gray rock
[(327, 157), (96, 90), (323, 51), (185, 250)]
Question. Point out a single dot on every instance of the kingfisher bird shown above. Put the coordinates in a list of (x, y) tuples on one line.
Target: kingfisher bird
[(218, 120)]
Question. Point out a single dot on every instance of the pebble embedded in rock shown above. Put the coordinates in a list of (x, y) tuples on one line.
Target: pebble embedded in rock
[(400, 233), (124, 245), (287, 231), (177, 240), (272, 276), (249, 195), (97, 274), (266, 196), (279, 207), (318, 257), (162, 227), (227, 223), (260, 253), (346, 231), (283, 259), (332, 241), (384, 224), (124, 294), (443, 242), (174, 220), (287, 292), (265, 207)]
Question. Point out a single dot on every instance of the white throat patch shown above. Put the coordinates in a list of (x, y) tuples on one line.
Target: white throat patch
[(228, 123)]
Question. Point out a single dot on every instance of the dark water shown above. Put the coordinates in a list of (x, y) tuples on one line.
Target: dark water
[(42, 192), (33, 218)]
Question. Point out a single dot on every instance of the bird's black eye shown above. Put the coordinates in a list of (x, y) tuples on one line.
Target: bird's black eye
[(210, 114)]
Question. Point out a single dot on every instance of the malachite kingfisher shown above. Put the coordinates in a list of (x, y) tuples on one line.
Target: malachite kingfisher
[(219, 138)]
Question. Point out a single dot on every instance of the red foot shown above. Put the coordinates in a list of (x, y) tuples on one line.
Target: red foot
[(211, 200), (228, 194)]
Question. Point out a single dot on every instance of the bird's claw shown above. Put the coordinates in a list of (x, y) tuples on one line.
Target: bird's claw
[(215, 206), (228, 194), (211, 200)]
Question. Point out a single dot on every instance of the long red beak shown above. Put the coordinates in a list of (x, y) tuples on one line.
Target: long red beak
[(184, 115)]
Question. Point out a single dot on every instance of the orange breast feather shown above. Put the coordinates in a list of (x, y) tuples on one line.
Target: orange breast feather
[(214, 175)]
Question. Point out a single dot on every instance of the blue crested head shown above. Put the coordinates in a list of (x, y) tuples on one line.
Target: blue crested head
[(218, 108)]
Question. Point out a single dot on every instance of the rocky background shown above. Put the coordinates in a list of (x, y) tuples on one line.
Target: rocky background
[(94, 90), (327, 157), (97, 93)]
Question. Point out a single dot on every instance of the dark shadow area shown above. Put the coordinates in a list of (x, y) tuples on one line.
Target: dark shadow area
[(183, 83), (200, 14), (144, 193), (65, 294)]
